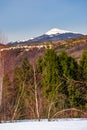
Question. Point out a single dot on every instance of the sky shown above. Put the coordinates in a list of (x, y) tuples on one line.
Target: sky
[(24, 19)]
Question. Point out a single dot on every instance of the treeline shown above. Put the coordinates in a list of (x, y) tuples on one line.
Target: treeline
[(56, 86)]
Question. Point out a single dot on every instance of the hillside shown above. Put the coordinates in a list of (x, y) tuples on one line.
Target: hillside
[(38, 82), (13, 55), (2, 46), (74, 47)]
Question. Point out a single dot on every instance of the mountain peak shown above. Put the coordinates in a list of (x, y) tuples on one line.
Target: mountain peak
[(56, 31)]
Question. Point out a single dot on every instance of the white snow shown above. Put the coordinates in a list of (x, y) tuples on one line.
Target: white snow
[(45, 125), (31, 38), (56, 31)]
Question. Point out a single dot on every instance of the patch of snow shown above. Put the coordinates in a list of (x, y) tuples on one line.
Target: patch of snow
[(51, 35), (56, 31), (31, 38), (45, 125)]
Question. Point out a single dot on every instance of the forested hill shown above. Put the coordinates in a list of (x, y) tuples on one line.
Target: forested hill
[(14, 55), (45, 81)]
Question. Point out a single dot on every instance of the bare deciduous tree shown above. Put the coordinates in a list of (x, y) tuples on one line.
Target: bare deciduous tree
[(1, 76), (36, 94)]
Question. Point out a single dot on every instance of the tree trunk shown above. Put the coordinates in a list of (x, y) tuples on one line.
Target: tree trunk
[(17, 105), (36, 95), (1, 77)]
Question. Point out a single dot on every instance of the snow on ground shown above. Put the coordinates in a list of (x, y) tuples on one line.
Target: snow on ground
[(45, 125)]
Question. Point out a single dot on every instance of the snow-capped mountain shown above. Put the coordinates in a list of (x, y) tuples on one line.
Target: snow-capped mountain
[(55, 31), (51, 35)]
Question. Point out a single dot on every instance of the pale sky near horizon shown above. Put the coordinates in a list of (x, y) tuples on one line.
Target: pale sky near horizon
[(23, 19)]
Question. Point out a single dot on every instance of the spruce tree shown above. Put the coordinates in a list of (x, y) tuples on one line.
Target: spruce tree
[(83, 65)]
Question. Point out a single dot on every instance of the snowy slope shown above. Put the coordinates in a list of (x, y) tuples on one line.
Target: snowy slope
[(56, 31), (44, 125)]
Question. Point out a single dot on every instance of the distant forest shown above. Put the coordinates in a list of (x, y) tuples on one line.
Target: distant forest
[(54, 87)]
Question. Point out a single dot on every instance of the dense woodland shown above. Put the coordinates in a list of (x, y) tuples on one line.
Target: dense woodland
[(56, 86)]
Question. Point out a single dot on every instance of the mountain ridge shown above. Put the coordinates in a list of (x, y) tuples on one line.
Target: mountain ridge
[(54, 34)]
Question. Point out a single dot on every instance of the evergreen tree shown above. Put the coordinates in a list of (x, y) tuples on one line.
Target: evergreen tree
[(23, 85), (69, 66), (77, 95), (83, 66), (49, 67), (50, 73)]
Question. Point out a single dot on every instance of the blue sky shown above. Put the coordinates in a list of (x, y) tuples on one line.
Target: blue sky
[(23, 19)]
